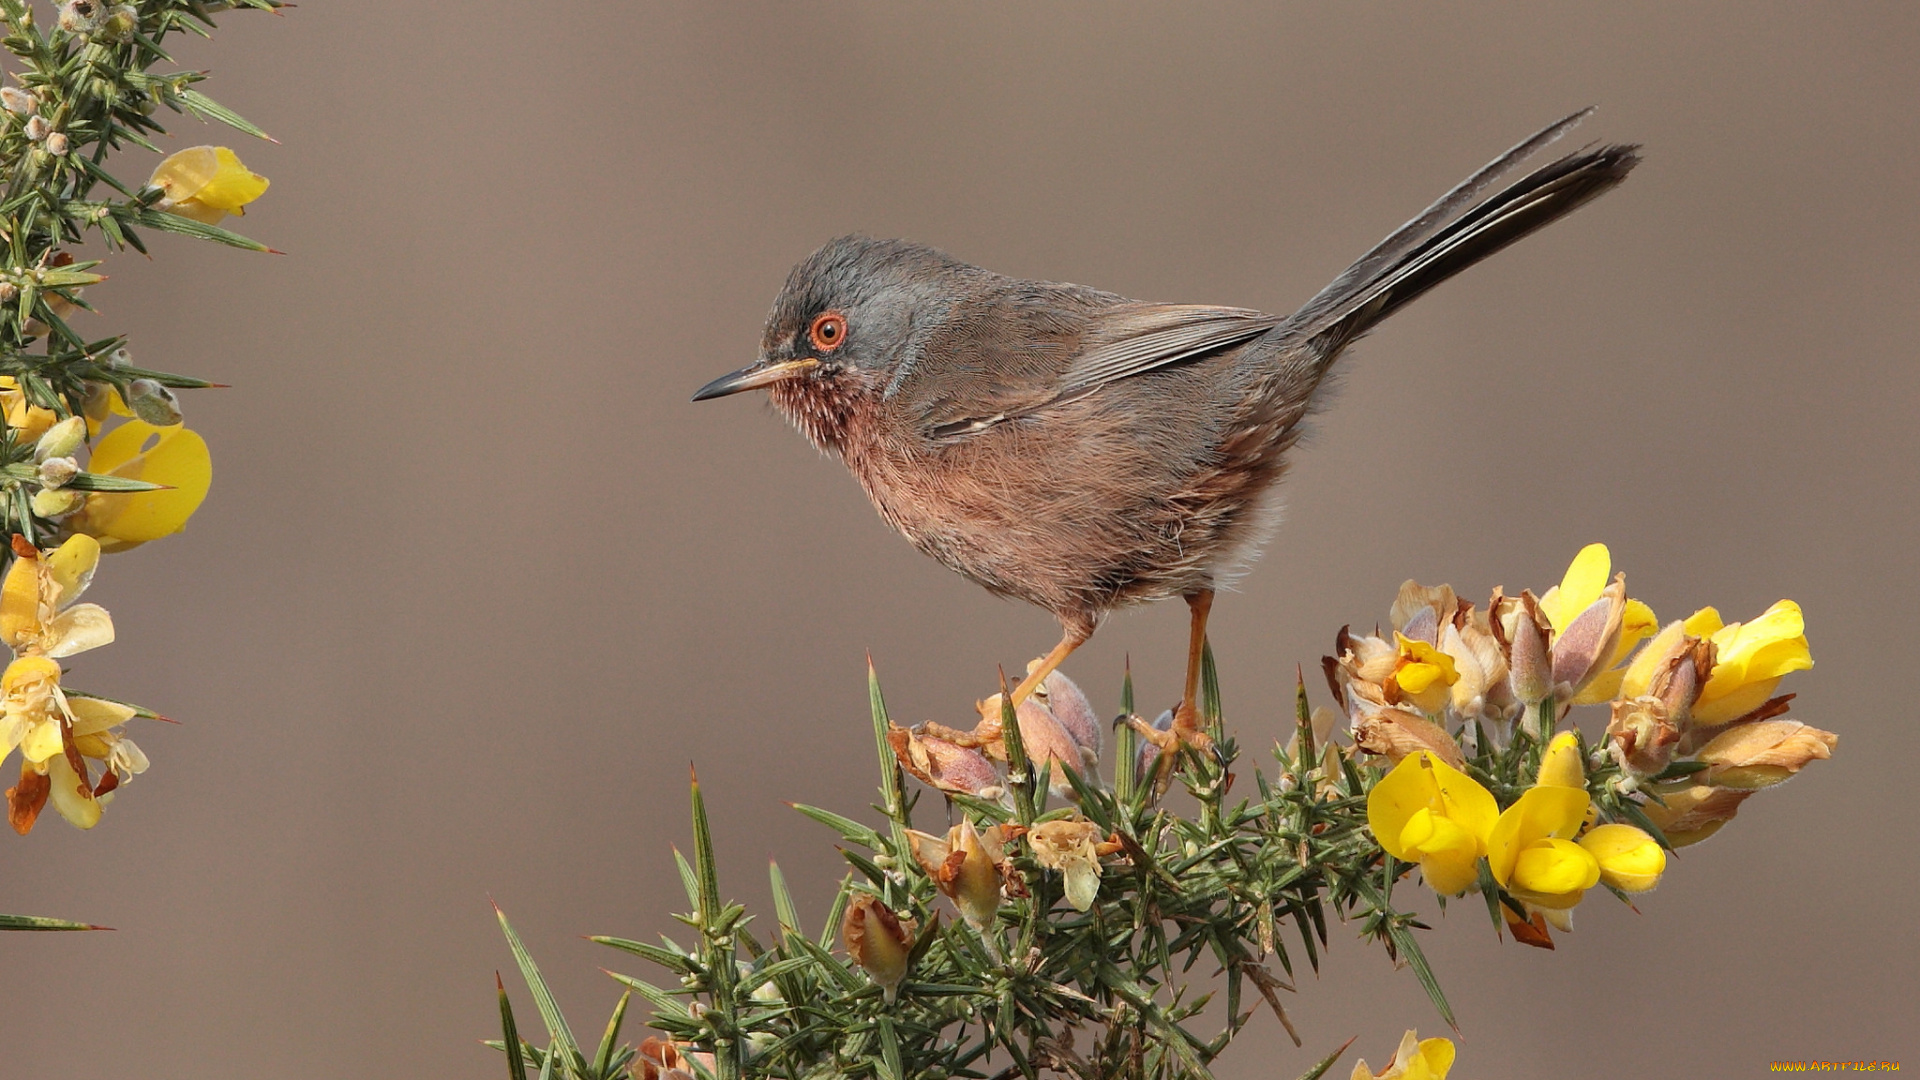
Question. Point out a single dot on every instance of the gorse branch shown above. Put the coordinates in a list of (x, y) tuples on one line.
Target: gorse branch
[(94, 457), (1109, 936)]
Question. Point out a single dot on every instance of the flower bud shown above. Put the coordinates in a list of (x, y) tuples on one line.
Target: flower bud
[(1529, 670), (38, 128), (17, 101), (878, 941), (9, 292), (1630, 860), (57, 143), (1694, 813), (61, 440), (1586, 647), (1751, 756), (55, 472), (120, 23), (1075, 713), (81, 16), (56, 503), (153, 403), (1560, 766)]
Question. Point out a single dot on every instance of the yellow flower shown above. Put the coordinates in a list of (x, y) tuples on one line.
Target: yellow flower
[(136, 450), (1561, 766), (38, 616), (1423, 674), (30, 421), (1585, 580), (1601, 649), (1629, 859), (1749, 659), (1533, 855), (206, 183), (56, 733), (1416, 1059), (1428, 812)]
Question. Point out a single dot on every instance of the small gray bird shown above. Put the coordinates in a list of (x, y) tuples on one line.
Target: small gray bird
[(1083, 451)]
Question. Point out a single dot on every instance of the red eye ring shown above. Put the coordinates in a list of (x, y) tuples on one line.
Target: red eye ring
[(827, 332)]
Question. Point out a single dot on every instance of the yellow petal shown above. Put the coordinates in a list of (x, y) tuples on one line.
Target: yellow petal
[(1423, 782), (177, 457), (42, 742), (1561, 766), (70, 567), (1732, 704), (233, 185), (79, 628), (68, 795), (1585, 580), (1541, 813), (1557, 870), (91, 715), (1448, 854), (20, 603), (207, 180), (1704, 623), (1629, 859)]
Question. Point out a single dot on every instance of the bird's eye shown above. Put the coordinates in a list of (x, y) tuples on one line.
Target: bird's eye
[(828, 331)]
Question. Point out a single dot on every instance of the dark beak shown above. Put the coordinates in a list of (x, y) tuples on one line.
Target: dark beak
[(754, 377)]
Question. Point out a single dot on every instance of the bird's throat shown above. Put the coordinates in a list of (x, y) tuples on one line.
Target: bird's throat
[(826, 408)]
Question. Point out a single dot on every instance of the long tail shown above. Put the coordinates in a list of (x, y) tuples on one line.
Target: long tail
[(1456, 232)]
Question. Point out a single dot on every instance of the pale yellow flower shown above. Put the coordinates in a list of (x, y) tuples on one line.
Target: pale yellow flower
[(1416, 1059), (206, 183), (878, 940), (1070, 846)]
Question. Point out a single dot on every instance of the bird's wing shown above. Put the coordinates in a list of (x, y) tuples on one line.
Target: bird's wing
[(1000, 368), (1133, 339)]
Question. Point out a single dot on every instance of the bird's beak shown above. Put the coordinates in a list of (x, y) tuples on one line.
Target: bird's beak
[(754, 377)]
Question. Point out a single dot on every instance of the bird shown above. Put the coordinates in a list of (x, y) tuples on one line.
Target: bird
[(1083, 451)]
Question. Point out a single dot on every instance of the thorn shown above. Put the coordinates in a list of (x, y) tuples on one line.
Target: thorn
[(273, 251), (498, 981)]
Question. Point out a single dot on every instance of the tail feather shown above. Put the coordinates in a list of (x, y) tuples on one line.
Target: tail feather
[(1425, 252)]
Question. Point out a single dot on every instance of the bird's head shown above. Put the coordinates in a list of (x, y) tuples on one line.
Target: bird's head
[(849, 317)]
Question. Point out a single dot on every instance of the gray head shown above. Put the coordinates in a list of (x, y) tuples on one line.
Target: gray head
[(849, 314)]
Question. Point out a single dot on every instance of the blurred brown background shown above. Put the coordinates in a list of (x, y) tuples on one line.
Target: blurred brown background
[(476, 582)]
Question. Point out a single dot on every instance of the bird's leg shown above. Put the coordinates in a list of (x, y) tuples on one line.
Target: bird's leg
[(1186, 719), (1037, 673), (1074, 635), (1187, 729)]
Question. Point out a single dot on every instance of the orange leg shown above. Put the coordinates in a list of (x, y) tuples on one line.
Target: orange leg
[(1069, 641), (1187, 723), (1186, 719)]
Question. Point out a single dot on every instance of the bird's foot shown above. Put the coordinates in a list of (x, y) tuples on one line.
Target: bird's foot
[(1184, 732), (983, 734)]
